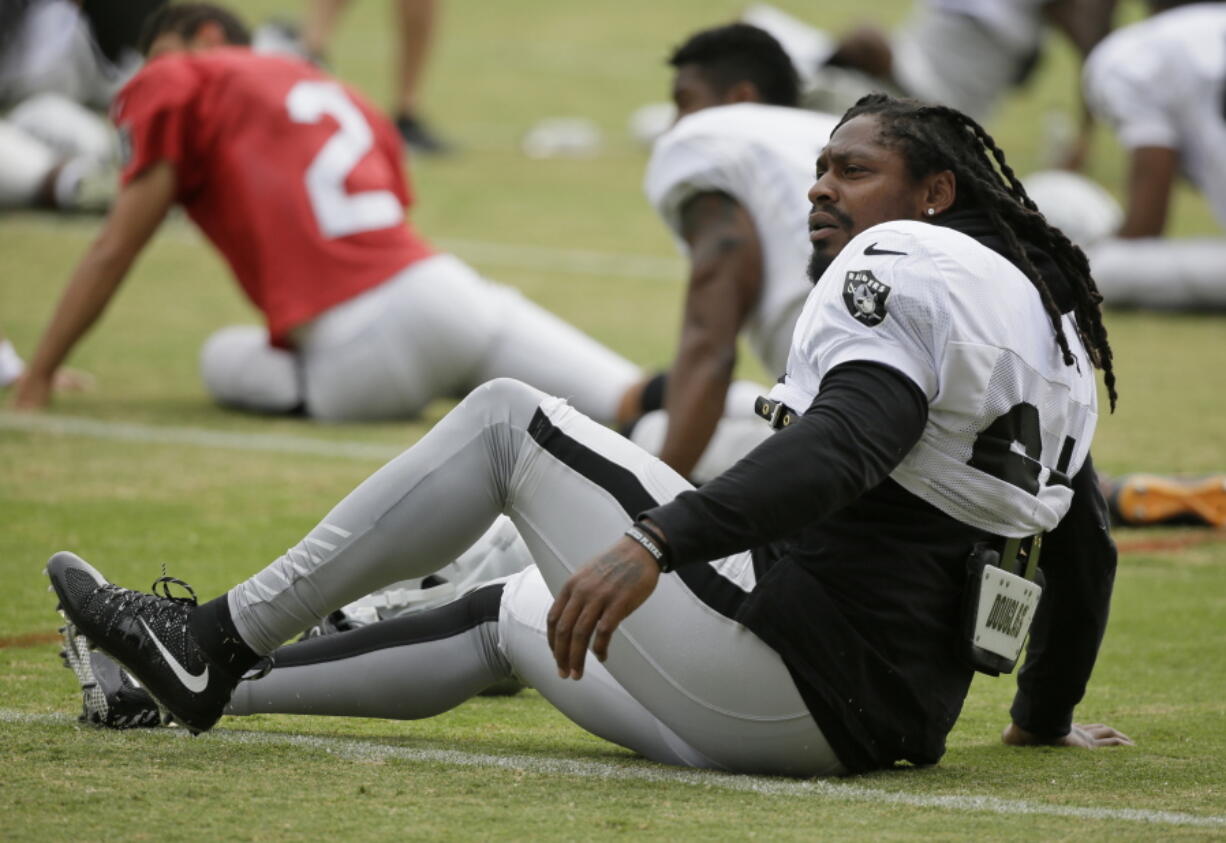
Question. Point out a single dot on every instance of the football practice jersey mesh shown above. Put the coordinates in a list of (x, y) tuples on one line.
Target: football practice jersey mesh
[(970, 330)]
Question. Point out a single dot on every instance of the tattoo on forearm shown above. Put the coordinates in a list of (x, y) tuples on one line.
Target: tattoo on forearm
[(618, 570)]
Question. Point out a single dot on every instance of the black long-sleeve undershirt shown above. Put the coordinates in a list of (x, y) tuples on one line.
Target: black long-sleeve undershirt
[(862, 423), (1078, 562), (836, 457)]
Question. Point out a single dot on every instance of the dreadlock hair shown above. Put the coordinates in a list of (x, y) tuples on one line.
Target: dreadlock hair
[(185, 20), (739, 52), (933, 138)]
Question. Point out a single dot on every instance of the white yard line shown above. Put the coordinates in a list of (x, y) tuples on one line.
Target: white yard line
[(484, 253), (197, 437), (366, 751)]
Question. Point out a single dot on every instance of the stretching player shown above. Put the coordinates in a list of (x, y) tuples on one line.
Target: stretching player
[(298, 182), (58, 61), (1159, 84), (798, 615), (729, 180), (966, 54)]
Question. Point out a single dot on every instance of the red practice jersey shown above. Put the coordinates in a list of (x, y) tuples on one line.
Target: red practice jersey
[(294, 177)]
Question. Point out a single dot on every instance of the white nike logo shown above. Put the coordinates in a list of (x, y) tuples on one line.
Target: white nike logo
[(195, 684)]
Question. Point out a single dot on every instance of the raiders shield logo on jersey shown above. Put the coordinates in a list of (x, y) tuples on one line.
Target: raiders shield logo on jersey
[(865, 296)]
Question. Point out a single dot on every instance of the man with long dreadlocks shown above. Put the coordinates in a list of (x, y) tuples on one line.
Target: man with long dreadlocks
[(818, 609)]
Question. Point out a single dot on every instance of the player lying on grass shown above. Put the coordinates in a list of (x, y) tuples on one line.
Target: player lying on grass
[(298, 182), (802, 613)]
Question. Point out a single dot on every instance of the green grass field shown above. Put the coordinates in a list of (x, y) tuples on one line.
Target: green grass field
[(126, 476)]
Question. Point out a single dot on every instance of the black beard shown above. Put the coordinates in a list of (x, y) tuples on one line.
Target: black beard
[(818, 263)]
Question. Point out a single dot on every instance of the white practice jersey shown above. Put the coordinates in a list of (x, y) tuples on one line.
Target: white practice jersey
[(1008, 422), (1018, 23), (764, 157), (1162, 82)]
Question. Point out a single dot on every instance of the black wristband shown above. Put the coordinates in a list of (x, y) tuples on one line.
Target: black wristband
[(653, 393), (653, 543)]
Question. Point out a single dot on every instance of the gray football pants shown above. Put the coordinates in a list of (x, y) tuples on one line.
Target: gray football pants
[(571, 487)]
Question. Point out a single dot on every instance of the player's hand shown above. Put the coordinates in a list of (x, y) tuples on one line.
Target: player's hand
[(73, 380), (31, 393), (595, 600), (1085, 736)]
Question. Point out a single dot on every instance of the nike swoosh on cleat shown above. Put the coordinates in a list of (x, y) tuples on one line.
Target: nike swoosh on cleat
[(873, 250), (195, 684)]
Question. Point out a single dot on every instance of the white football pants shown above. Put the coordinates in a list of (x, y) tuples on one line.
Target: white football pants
[(1161, 273), (953, 59), (436, 329), (740, 430), (571, 487), (49, 134), (25, 165)]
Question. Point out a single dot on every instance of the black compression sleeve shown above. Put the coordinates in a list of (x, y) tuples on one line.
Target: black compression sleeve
[(1078, 561), (862, 423)]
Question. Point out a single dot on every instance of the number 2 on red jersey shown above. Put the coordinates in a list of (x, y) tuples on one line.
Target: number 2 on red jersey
[(338, 212)]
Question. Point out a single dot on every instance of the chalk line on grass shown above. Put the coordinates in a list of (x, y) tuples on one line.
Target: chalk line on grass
[(644, 771)]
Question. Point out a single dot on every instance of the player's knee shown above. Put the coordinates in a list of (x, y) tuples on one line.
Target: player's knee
[(240, 369), (25, 164), (505, 397), (66, 126)]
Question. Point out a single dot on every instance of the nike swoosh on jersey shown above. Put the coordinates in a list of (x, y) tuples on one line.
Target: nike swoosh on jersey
[(195, 684), (873, 250)]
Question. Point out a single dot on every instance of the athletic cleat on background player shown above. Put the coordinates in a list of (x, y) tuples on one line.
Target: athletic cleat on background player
[(420, 137), (1149, 499), (110, 697), (148, 634)]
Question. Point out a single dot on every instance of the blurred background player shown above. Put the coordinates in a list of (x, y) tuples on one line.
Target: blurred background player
[(729, 180), (414, 29), (60, 63), (967, 54), (298, 182), (1161, 85)]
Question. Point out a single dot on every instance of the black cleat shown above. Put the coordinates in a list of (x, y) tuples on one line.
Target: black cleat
[(420, 137), (149, 635), (110, 697)]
